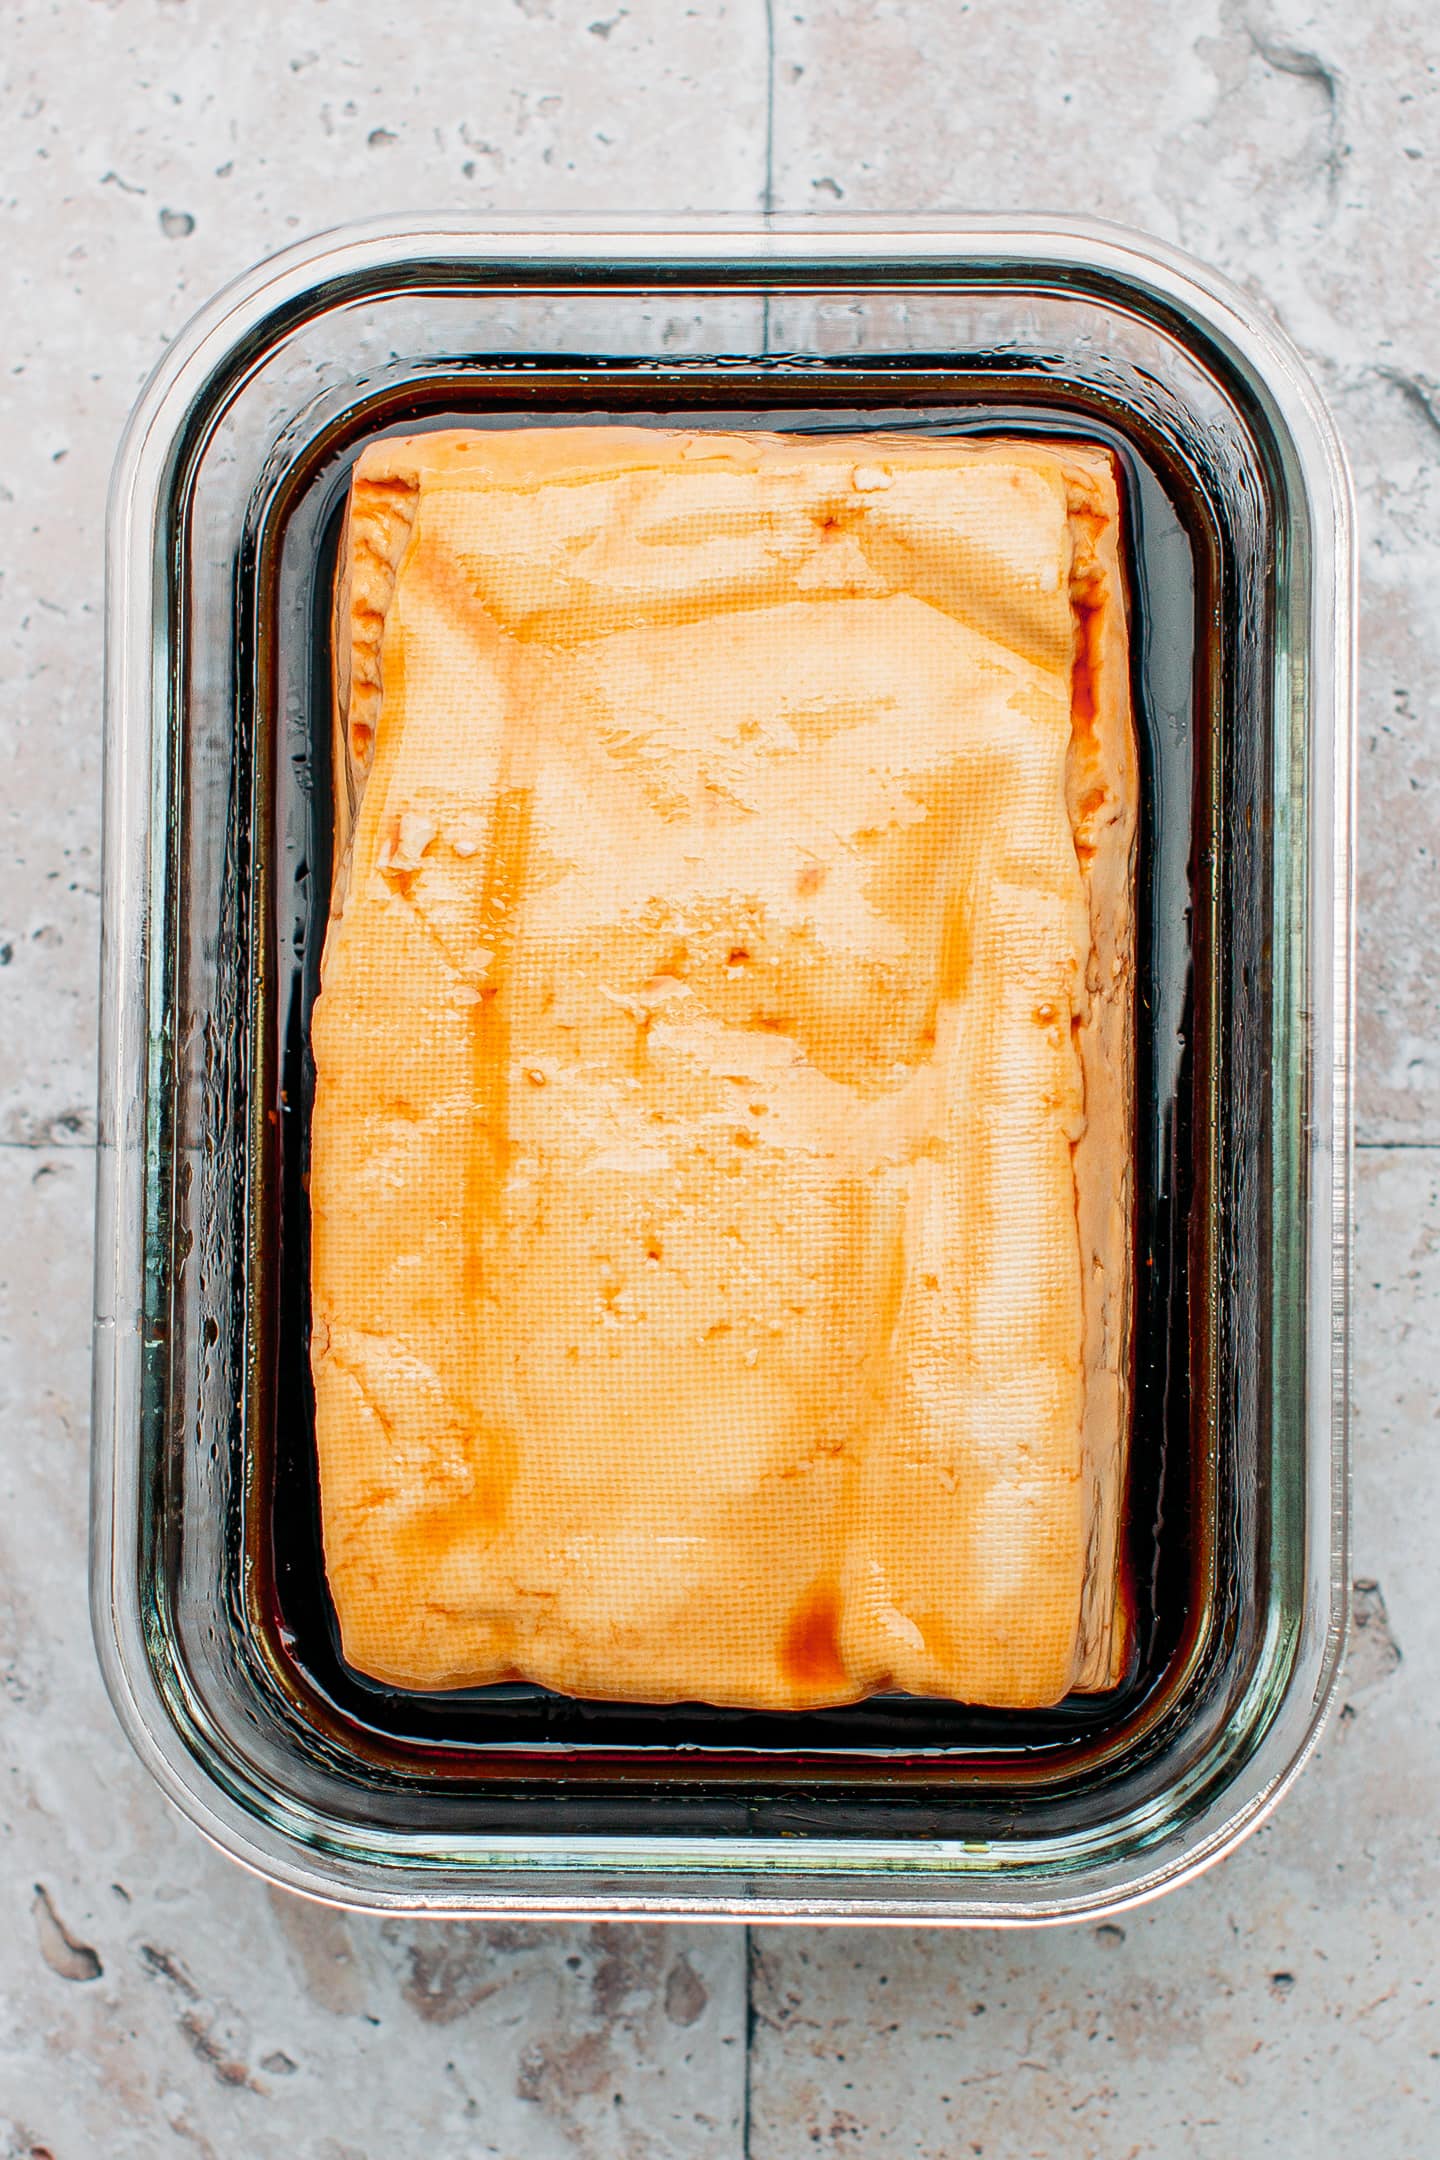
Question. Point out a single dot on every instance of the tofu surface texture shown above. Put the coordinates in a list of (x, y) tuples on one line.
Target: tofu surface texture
[(721, 1157)]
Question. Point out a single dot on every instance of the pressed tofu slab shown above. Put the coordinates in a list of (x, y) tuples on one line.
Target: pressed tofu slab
[(721, 1150)]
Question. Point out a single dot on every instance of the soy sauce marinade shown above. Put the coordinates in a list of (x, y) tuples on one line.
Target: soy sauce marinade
[(491, 1732)]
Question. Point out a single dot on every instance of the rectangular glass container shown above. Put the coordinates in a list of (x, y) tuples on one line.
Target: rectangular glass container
[(211, 1616)]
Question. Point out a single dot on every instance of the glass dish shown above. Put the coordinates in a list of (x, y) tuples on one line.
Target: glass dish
[(210, 1611)]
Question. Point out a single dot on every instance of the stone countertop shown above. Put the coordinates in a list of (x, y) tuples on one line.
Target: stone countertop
[(157, 2000)]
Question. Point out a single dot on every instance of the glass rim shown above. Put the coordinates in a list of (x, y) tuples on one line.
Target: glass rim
[(699, 1877)]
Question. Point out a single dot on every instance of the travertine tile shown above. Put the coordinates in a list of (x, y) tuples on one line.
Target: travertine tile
[(884, 106), (153, 1995), (1286, 1997), (151, 151), (1296, 148)]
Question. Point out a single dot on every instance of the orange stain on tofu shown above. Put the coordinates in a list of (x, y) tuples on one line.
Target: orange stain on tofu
[(1085, 668), (810, 1645), (955, 951), (430, 1533), (503, 879)]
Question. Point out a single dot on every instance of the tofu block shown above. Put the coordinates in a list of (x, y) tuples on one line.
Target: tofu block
[(721, 1172)]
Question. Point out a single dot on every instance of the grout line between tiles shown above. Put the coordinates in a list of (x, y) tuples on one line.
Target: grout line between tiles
[(767, 193), (1387, 1147), (749, 2041), (767, 201)]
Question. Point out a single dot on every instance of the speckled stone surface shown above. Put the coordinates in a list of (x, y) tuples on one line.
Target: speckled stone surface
[(158, 2001)]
